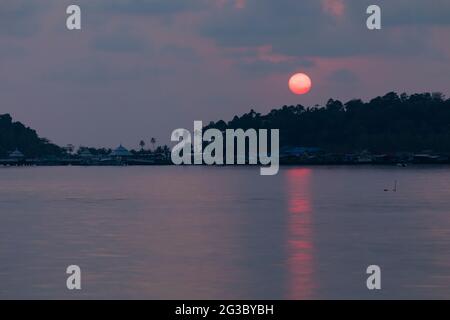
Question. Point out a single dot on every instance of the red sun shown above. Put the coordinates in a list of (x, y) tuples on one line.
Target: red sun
[(300, 83)]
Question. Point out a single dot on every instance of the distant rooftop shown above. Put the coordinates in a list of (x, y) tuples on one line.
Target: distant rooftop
[(121, 152), (85, 154), (16, 154)]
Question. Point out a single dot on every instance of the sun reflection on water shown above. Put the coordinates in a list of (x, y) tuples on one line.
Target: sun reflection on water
[(300, 234)]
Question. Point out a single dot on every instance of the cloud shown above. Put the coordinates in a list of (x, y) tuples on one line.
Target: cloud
[(11, 51), (343, 76), (263, 61), (262, 68), (240, 4), (305, 28), (237, 4), (335, 8), (150, 7), (95, 71), (416, 12), (119, 42), (19, 18), (212, 58), (181, 53)]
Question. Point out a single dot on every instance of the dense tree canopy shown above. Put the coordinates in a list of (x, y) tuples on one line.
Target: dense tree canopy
[(392, 123), (385, 124), (15, 135)]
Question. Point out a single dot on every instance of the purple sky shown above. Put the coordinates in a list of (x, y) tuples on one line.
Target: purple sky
[(142, 68)]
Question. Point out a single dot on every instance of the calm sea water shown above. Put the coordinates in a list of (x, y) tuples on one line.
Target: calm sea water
[(225, 233)]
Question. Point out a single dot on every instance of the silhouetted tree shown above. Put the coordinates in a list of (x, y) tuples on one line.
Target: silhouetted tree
[(142, 145), (388, 123), (15, 135), (153, 142)]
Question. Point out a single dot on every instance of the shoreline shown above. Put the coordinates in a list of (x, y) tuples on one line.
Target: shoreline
[(165, 164)]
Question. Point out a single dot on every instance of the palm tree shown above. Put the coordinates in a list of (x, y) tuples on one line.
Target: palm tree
[(142, 145), (153, 141)]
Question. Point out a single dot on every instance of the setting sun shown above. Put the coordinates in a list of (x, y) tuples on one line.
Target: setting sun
[(300, 83)]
